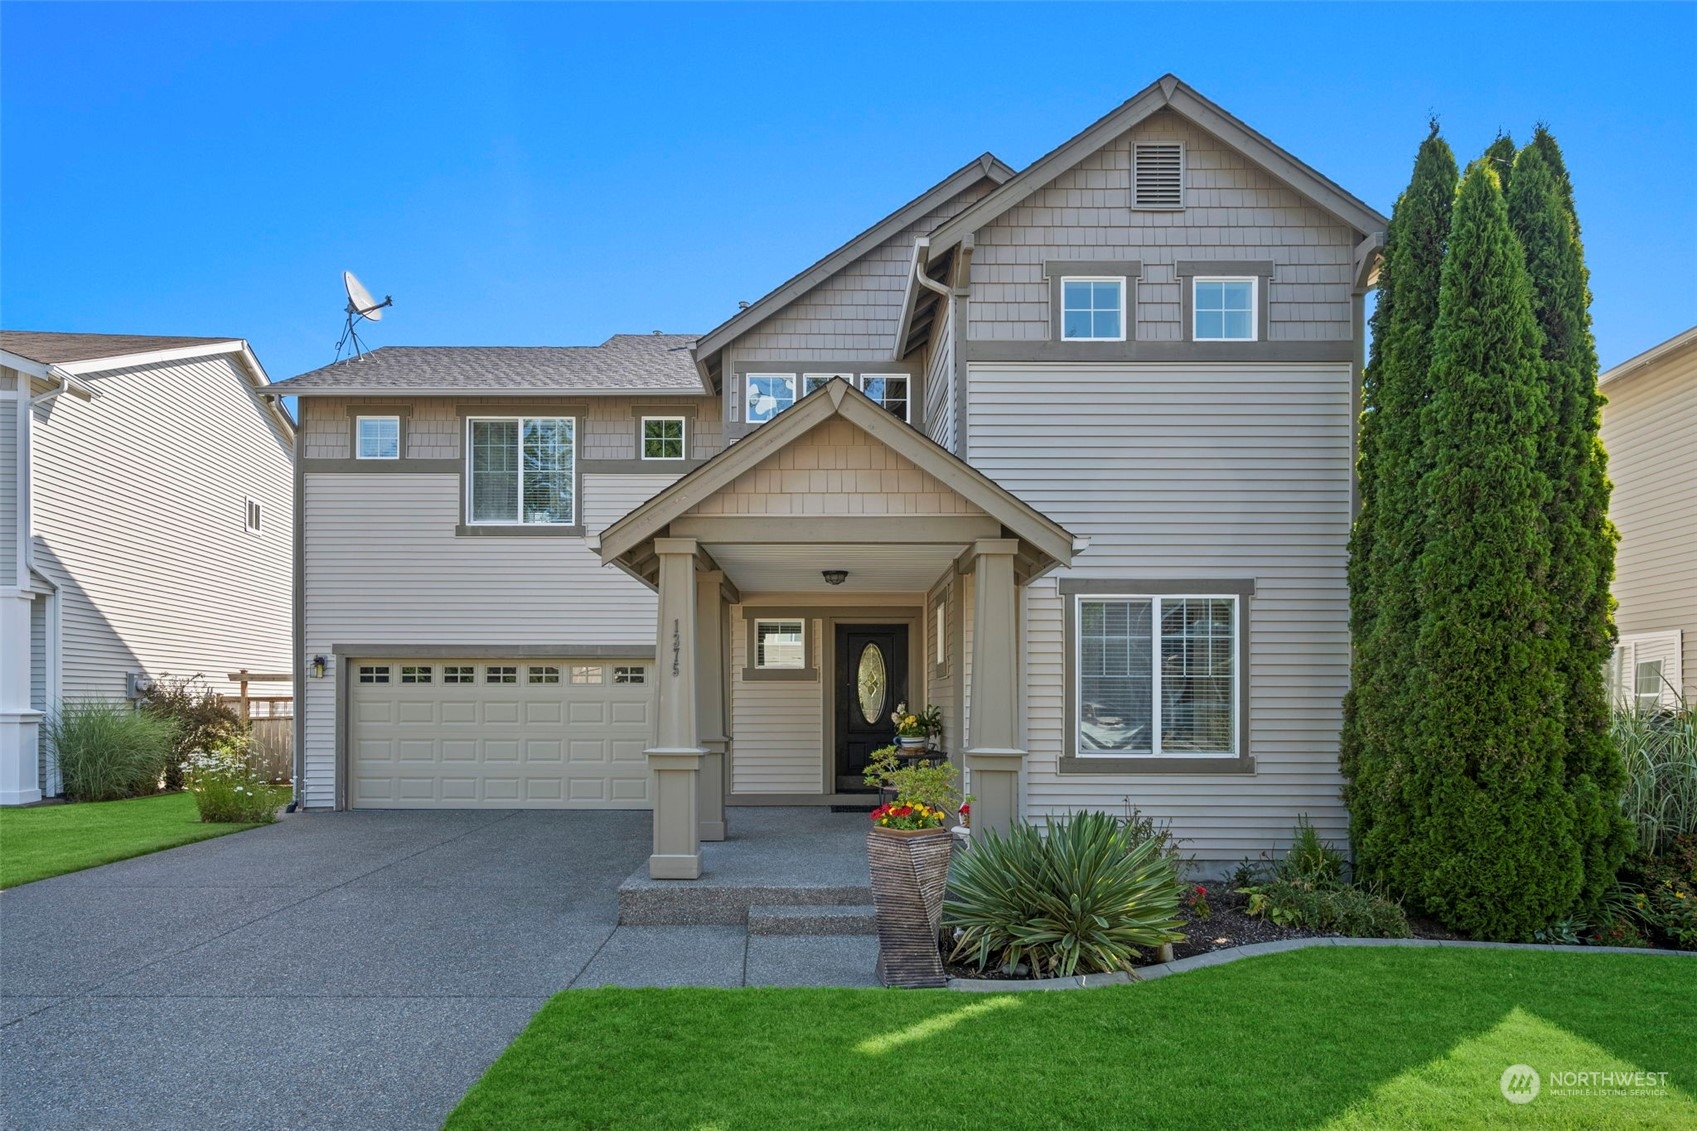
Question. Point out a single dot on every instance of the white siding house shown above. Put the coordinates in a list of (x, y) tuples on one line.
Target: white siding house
[(149, 511)]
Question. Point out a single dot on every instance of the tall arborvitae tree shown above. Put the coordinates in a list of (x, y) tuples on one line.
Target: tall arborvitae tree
[(1499, 155), (1582, 540), (1545, 143), (1490, 848), (1384, 615)]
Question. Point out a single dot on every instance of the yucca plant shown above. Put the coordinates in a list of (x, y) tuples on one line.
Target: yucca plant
[(1659, 750), (1081, 900)]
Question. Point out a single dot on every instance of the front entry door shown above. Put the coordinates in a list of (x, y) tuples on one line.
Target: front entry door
[(871, 680)]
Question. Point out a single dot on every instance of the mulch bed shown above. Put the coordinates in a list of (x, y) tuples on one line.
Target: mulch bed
[(1229, 925)]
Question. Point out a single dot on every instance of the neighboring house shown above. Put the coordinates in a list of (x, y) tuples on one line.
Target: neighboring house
[(1066, 452), (145, 525), (1650, 432)]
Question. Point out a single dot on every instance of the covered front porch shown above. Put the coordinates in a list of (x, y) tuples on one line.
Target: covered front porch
[(813, 575)]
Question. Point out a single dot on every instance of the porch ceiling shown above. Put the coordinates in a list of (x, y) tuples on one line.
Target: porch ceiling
[(872, 568)]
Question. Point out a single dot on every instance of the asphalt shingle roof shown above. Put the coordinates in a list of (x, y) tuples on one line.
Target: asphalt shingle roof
[(51, 348), (624, 363)]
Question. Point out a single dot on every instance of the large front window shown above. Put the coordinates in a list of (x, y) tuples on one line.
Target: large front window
[(1157, 676), (522, 471)]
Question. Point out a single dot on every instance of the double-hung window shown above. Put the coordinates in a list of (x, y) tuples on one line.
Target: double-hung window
[(768, 395), (1093, 309), (662, 437), (1224, 310), (1156, 676), (888, 390), (521, 471), (377, 437)]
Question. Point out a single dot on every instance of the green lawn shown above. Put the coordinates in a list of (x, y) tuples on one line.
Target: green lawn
[(50, 840), (1319, 1038)]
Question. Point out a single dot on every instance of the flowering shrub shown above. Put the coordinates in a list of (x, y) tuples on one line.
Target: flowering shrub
[(1197, 900), (1665, 899), (226, 788), (901, 816)]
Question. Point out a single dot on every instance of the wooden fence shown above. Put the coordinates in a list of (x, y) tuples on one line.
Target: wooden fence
[(271, 718)]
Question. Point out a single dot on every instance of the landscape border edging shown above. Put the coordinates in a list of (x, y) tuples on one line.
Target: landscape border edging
[(1255, 950)]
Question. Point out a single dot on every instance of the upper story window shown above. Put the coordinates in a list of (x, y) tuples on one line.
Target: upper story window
[(662, 437), (812, 381), (1224, 310), (377, 437), (1092, 310), (889, 390), (250, 515), (768, 395), (521, 470)]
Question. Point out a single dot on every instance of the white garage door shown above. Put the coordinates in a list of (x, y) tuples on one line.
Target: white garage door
[(499, 734)]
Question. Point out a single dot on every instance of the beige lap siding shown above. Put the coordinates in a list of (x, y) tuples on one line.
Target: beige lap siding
[(1203, 471), (779, 724), (383, 566)]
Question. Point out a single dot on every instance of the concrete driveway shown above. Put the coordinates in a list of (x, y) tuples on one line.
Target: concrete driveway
[(333, 970)]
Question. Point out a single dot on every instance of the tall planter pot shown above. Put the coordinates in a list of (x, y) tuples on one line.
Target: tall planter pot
[(910, 870)]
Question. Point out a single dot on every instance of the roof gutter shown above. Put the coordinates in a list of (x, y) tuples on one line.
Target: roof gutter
[(68, 383)]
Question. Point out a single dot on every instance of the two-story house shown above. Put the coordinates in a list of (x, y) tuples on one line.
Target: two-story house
[(1066, 452), (145, 525)]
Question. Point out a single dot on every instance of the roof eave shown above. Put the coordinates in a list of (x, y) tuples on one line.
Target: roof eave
[(283, 389), (1674, 345), (985, 166)]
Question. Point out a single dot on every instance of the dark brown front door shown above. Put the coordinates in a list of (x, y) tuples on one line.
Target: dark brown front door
[(871, 680)]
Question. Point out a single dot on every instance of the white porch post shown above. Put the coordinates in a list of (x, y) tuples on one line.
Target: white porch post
[(20, 767), (674, 762), (710, 700), (994, 756)]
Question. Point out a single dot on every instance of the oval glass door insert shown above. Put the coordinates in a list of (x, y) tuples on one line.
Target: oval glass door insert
[(872, 683)]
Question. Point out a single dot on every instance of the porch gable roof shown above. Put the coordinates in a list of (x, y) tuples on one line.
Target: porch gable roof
[(628, 542)]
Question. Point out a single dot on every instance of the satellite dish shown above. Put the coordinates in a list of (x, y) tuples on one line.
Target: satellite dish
[(360, 301), (360, 306)]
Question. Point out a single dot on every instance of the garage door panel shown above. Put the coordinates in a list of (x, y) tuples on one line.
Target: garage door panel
[(449, 738), (459, 711)]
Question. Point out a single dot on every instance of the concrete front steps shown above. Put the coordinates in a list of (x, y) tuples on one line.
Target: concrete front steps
[(812, 919)]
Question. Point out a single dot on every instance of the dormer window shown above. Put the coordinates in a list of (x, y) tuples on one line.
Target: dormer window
[(1224, 310), (769, 394), (1093, 309)]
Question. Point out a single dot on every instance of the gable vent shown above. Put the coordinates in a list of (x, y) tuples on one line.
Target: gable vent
[(1158, 175)]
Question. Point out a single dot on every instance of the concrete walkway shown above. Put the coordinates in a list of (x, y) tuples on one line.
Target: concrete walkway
[(355, 970)]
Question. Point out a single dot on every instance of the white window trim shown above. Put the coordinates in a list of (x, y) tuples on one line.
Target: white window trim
[(1155, 600), (748, 380), (907, 415), (1634, 648), (253, 515), (470, 475), (1254, 305), (642, 442), (754, 660), (1124, 287), (940, 626), (822, 378), (359, 438)]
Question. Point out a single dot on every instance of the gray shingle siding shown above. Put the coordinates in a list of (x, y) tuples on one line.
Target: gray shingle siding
[(852, 315), (1234, 211)]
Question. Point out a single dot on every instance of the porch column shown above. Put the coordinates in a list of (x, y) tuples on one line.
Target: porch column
[(710, 699), (994, 756), (20, 763), (674, 762)]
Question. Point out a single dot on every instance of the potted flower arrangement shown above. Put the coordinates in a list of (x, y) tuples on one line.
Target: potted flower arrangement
[(914, 731), (907, 851)]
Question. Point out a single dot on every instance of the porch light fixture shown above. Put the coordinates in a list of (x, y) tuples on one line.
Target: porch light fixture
[(834, 576), (319, 663)]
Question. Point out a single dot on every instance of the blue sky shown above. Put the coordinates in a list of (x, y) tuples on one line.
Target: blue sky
[(551, 174)]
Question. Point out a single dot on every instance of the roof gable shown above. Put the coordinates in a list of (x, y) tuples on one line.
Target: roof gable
[(812, 422), (985, 167), (1169, 92)]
